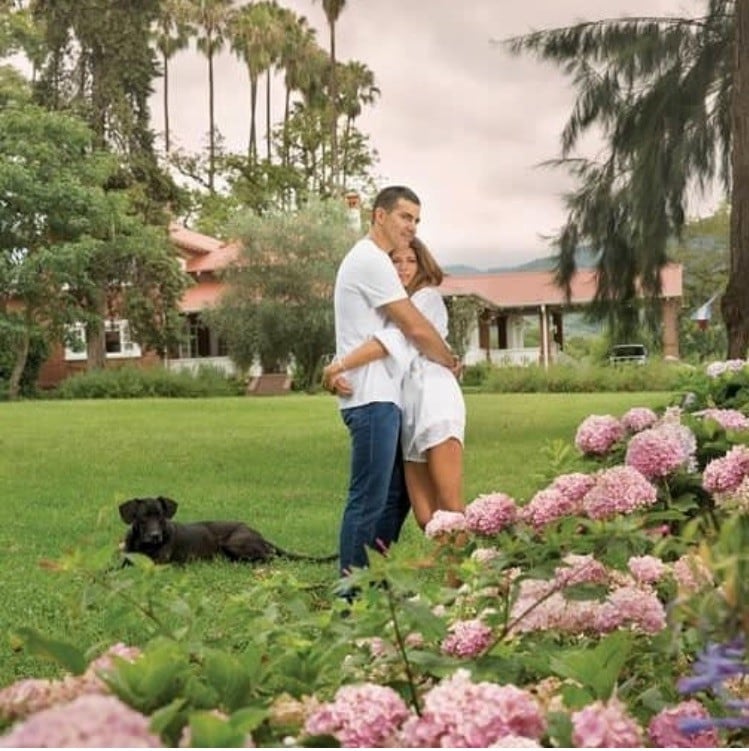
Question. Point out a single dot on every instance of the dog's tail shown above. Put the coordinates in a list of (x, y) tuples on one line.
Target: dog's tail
[(281, 553)]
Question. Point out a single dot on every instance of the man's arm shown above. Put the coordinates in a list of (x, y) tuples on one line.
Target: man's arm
[(418, 329)]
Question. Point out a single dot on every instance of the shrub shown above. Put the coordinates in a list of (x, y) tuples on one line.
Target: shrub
[(564, 378), (132, 383)]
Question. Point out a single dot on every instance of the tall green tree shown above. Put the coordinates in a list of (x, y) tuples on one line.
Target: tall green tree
[(71, 249), (254, 37), (277, 308), (670, 96), (299, 47), (172, 34), (210, 17), (333, 10), (357, 88)]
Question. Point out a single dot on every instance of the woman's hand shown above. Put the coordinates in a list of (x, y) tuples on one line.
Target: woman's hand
[(333, 379)]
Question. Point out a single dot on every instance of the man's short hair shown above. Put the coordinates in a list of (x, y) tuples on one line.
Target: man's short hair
[(388, 197)]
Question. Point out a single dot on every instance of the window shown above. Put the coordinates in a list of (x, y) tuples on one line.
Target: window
[(117, 341)]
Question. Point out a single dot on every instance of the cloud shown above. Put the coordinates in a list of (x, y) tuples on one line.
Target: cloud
[(459, 119)]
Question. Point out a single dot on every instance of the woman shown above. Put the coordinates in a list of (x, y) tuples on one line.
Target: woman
[(433, 423)]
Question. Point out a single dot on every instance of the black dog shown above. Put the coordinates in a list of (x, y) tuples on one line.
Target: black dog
[(152, 533)]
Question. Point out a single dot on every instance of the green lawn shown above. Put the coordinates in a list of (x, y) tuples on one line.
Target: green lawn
[(278, 463)]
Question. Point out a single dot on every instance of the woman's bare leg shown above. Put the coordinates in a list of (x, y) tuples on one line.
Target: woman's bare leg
[(445, 462), (420, 491)]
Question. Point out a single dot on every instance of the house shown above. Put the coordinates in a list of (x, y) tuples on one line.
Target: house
[(506, 300), (508, 297), (202, 258)]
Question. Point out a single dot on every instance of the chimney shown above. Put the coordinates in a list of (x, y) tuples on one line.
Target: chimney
[(353, 207)]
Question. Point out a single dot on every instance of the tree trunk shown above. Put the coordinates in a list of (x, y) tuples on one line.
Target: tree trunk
[(96, 351), (22, 355), (96, 346), (735, 302), (211, 125), (167, 143)]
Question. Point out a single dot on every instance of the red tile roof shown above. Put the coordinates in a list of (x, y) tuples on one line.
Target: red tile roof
[(203, 295), (507, 289), (202, 253), (519, 289)]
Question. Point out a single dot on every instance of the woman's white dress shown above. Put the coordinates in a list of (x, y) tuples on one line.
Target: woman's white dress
[(432, 402)]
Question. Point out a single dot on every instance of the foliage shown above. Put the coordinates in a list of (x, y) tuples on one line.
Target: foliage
[(11, 332), (134, 383), (278, 306), (462, 316), (665, 94), (704, 253), (110, 92), (72, 250), (573, 378)]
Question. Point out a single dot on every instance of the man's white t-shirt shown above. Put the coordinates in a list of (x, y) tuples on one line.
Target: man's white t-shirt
[(366, 281)]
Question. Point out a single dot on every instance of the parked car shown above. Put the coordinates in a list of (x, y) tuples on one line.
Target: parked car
[(628, 353)]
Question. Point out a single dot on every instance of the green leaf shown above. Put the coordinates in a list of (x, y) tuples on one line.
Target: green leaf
[(228, 677), (597, 668), (207, 730), (67, 655)]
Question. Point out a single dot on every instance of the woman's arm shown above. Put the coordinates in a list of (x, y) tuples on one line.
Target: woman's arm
[(369, 351)]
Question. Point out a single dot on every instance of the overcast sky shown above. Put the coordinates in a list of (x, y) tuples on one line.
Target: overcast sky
[(459, 120)]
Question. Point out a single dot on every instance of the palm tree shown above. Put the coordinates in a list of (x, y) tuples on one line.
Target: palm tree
[(671, 97), (357, 88), (277, 22), (298, 49), (333, 10), (210, 17), (250, 28), (172, 34)]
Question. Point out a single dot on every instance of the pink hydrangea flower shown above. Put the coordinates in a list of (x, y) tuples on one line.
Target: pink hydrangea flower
[(660, 451), (717, 369), (458, 713), (365, 715), (728, 419), (560, 499), (727, 472), (30, 695), (467, 638), (573, 486), (89, 721), (580, 569), (445, 523), (664, 732), (691, 573), (646, 569), (638, 418), (597, 434), (606, 725), (546, 506), (618, 490), (515, 741), (634, 606), (489, 514), (484, 556)]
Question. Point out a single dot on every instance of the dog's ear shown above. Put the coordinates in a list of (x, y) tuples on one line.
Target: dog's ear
[(128, 510), (169, 506)]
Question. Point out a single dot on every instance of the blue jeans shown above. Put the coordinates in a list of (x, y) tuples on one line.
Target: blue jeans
[(377, 503)]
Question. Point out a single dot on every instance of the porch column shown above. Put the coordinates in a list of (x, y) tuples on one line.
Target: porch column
[(670, 321)]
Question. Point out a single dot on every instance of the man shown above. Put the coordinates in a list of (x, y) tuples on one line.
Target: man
[(368, 292)]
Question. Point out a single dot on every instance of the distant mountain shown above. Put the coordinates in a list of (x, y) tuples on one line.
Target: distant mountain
[(585, 259)]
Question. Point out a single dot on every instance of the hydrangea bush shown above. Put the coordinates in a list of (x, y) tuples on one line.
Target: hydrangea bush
[(608, 609)]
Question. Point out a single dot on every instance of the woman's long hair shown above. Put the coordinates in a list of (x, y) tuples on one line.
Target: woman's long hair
[(429, 273)]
